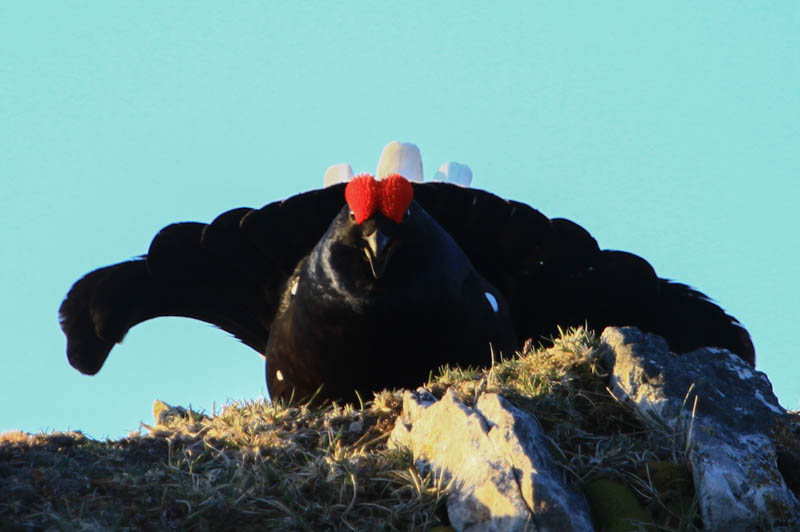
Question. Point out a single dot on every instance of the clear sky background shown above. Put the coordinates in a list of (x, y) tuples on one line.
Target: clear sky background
[(670, 130)]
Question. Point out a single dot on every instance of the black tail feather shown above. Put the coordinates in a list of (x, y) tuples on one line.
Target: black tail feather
[(688, 320), (287, 230)]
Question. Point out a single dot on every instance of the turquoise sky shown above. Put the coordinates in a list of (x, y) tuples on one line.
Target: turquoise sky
[(671, 130)]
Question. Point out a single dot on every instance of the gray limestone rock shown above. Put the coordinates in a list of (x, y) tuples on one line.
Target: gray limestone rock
[(728, 410), (496, 460)]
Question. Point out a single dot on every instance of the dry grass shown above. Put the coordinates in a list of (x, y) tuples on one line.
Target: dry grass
[(262, 466), (255, 466)]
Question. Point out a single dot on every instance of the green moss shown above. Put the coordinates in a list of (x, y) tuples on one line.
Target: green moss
[(615, 508)]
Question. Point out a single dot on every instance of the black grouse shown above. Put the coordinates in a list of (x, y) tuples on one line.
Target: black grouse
[(378, 290)]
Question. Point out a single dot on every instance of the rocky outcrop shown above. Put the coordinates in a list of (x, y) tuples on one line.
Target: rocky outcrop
[(502, 476), (496, 460), (727, 410)]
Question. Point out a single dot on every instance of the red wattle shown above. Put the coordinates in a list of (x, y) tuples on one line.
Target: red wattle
[(363, 196), (391, 195), (396, 196)]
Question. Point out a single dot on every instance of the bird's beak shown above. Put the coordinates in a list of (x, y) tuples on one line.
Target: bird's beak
[(378, 250)]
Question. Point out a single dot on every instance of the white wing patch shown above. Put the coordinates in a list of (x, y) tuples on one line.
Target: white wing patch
[(279, 375), (492, 301)]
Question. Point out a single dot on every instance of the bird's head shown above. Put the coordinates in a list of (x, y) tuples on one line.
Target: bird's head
[(383, 246), (377, 210)]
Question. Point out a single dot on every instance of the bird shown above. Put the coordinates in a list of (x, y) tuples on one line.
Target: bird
[(374, 283)]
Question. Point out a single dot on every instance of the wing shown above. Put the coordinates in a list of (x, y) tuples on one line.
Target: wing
[(552, 273), (228, 273)]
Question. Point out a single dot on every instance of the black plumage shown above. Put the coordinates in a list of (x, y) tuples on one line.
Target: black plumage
[(294, 280)]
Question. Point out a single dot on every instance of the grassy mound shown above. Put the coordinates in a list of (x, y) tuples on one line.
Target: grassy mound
[(263, 466)]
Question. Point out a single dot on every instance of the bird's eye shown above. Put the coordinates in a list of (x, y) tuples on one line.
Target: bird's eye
[(352, 216)]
